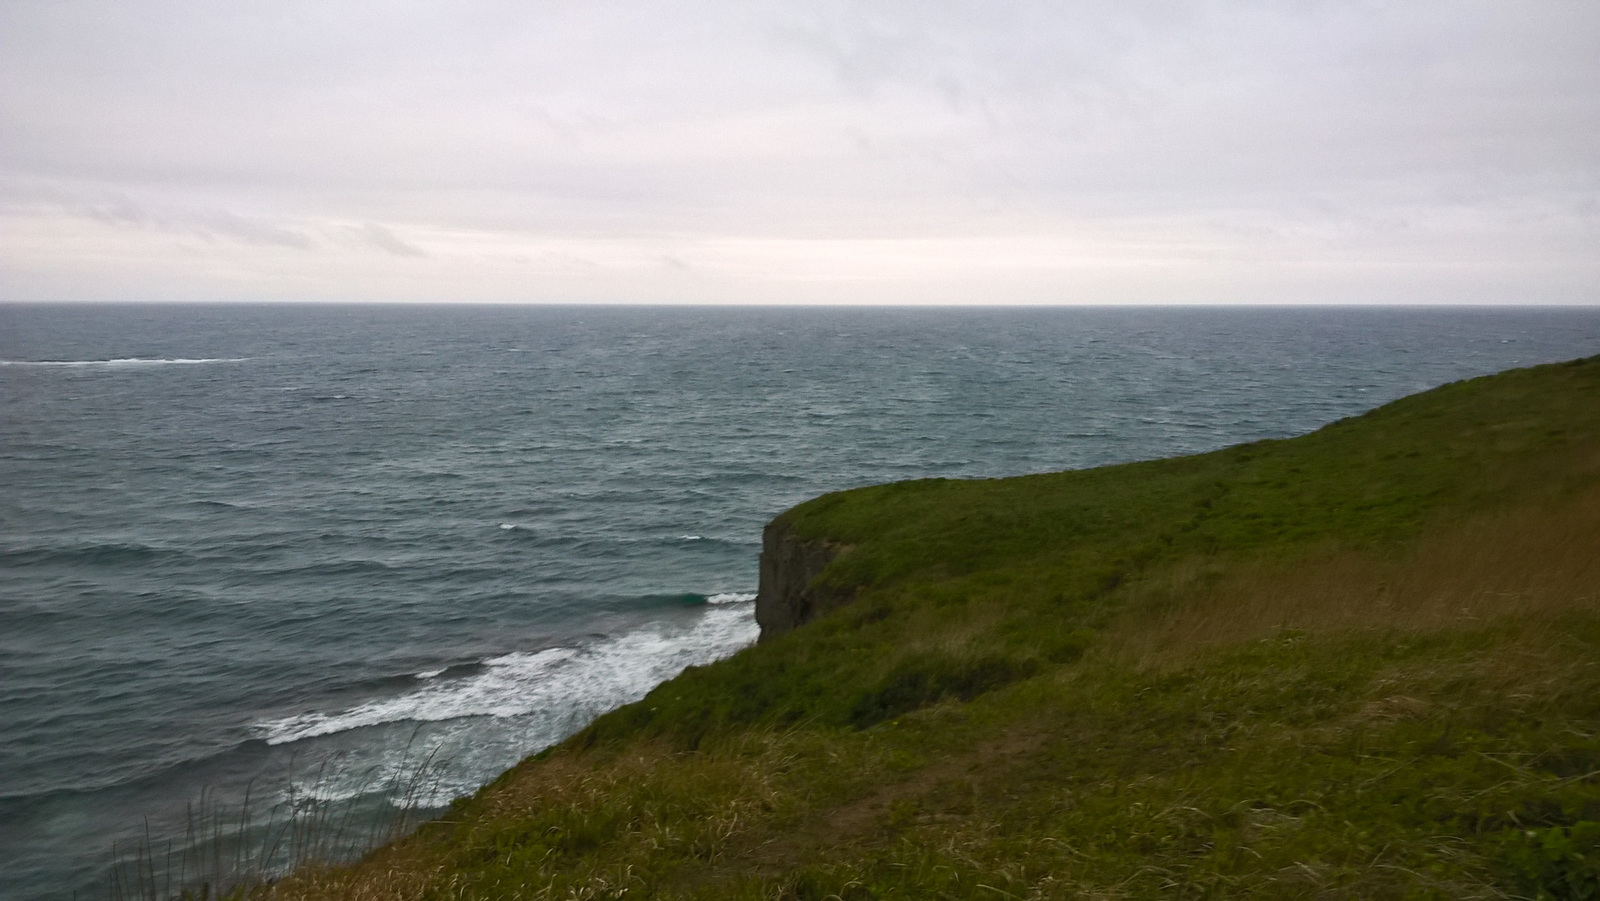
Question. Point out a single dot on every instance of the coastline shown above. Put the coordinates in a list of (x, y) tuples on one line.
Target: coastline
[(1164, 642)]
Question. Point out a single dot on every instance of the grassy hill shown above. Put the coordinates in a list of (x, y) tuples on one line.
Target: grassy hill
[(1362, 663)]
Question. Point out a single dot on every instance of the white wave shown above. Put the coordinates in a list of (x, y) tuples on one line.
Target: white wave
[(127, 361), (731, 597), (412, 774), (430, 673), (554, 692), (508, 526)]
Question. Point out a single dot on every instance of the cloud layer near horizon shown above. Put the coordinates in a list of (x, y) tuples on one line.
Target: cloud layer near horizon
[(1426, 152)]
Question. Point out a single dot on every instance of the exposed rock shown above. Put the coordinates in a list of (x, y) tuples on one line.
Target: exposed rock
[(789, 565)]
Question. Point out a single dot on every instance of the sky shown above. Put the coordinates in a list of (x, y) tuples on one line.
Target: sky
[(925, 152)]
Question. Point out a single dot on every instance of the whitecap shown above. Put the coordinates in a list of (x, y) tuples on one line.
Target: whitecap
[(556, 690), (731, 597), (128, 361)]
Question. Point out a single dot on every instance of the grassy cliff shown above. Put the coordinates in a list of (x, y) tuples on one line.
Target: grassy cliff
[(1361, 663)]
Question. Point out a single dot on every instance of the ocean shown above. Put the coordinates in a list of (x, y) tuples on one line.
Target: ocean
[(294, 549)]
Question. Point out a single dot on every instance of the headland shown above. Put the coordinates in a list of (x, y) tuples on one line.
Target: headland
[(1357, 663)]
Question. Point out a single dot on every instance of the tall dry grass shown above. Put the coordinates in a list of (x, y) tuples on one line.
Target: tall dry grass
[(236, 850), (533, 833), (1532, 562)]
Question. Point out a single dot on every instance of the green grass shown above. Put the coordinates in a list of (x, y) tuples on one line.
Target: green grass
[(1361, 663)]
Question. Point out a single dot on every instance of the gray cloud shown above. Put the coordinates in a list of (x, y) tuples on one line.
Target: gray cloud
[(385, 240), (224, 224), (210, 225), (1316, 132)]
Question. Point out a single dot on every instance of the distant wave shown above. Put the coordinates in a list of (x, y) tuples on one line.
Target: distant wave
[(88, 554), (711, 539), (129, 362), (562, 688)]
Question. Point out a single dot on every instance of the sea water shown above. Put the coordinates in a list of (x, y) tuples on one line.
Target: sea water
[(238, 542)]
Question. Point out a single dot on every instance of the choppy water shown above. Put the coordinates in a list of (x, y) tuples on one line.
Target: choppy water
[(235, 540)]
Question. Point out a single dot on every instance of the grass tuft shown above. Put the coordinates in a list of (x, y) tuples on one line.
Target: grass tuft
[(236, 851)]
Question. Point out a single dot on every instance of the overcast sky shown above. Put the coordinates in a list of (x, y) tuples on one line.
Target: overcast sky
[(748, 152)]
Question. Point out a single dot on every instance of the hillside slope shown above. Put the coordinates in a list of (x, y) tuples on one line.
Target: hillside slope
[(1361, 663)]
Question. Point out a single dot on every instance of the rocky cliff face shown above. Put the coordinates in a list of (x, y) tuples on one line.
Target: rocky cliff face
[(789, 564)]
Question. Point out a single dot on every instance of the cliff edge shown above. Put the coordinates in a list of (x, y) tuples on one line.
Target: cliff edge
[(790, 564)]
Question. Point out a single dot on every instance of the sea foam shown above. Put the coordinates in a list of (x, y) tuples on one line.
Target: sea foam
[(557, 690)]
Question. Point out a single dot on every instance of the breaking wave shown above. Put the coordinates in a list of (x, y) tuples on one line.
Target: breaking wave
[(556, 691)]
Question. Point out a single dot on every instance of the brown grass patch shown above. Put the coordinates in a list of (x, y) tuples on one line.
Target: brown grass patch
[(1532, 562)]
